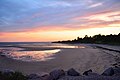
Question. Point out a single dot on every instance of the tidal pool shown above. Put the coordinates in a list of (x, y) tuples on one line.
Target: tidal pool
[(32, 55)]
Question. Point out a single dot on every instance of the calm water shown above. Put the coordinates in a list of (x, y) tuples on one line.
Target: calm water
[(33, 51)]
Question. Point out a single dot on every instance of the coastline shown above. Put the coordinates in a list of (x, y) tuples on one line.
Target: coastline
[(81, 59)]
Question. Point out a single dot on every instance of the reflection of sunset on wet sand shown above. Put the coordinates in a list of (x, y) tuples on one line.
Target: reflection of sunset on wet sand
[(34, 52), (33, 55)]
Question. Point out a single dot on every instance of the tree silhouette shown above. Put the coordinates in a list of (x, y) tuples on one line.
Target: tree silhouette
[(99, 39)]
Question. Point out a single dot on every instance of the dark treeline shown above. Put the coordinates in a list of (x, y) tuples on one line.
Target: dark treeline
[(98, 39)]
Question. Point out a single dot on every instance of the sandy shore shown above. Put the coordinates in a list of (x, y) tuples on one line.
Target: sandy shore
[(81, 59)]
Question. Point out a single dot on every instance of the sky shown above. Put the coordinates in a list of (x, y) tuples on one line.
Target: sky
[(52, 20)]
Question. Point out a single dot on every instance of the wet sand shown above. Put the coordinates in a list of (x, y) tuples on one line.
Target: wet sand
[(81, 59)]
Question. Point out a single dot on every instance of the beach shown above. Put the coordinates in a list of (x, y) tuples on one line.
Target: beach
[(81, 59)]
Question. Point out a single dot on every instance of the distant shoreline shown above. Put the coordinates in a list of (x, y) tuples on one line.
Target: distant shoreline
[(96, 39)]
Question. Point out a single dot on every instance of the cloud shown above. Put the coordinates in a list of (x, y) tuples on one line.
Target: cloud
[(95, 5), (110, 16), (16, 16), (59, 4), (97, 20)]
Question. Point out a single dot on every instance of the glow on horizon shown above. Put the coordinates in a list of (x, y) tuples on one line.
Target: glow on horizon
[(41, 36)]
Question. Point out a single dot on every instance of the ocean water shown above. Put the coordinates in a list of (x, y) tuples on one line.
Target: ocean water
[(33, 51)]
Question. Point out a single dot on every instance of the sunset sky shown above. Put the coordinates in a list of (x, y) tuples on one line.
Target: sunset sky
[(52, 20)]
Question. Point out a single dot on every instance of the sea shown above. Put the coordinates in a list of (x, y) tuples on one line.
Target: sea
[(33, 51)]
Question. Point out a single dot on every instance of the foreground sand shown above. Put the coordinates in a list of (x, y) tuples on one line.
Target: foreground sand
[(81, 59)]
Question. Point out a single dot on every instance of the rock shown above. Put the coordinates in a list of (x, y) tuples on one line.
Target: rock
[(56, 74), (108, 72), (86, 72), (116, 70), (46, 77), (72, 72), (117, 74), (90, 78), (34, 77)]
